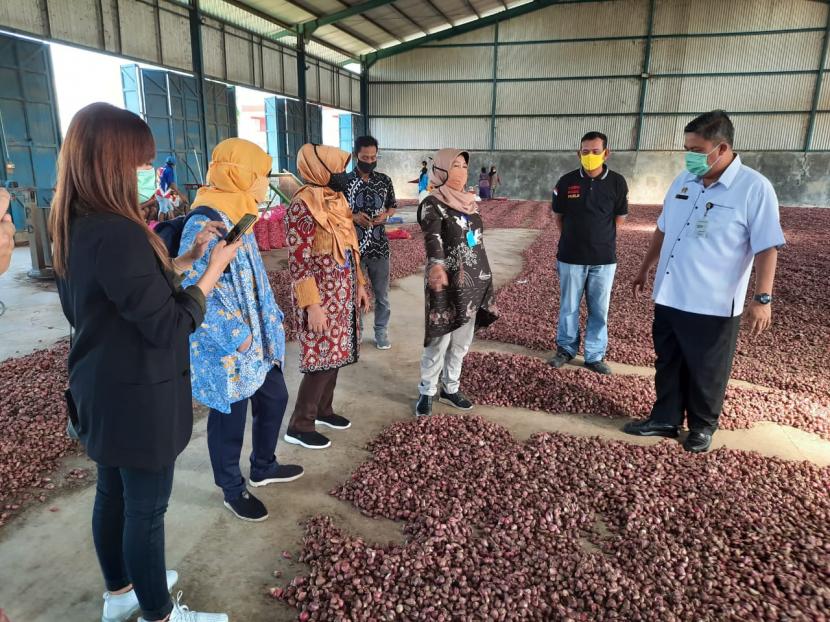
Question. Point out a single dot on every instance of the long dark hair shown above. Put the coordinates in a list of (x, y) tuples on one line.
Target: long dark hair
[(104, 146)]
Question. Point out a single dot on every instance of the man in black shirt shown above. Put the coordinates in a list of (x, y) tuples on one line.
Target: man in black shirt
[(589, 203), (372, 199)]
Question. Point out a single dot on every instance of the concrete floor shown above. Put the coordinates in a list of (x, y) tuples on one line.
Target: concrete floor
[(49, 571), (33, 319)]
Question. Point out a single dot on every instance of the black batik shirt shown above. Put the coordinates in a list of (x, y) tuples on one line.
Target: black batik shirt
[(372, 197)]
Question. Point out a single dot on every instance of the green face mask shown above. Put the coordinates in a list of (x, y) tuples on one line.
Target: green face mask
[(698, 163), (146, 184)]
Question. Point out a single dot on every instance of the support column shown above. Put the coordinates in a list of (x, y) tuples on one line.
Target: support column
[(645, 77), (199, 74), (495, 88), (302, 92), (364, 97), (811, 126)]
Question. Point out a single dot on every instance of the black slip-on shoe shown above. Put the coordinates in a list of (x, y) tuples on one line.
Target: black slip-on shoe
[(281, 474), (423, 407), (335, 422), (309, 440), (248, 508), (456, 400)]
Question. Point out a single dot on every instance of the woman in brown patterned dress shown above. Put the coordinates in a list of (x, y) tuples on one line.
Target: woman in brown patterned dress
[(327, 289), (459, 285)]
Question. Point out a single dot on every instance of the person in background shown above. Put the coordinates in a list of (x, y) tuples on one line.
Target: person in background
[(129, 387), (238, 352), (6, 231), (327, 289), (495, 181), (371, 197), (167, 191), (590, 204), (147, 187), (719, 217), (458, 287), (484, 184), (423, 178)]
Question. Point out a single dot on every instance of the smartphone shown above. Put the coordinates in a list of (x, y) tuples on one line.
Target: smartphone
[(241, 228)]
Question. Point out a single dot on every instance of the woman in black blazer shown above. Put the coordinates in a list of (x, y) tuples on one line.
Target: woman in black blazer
[(129, 363)]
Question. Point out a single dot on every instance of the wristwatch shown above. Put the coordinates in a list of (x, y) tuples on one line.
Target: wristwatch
[(764, 299)]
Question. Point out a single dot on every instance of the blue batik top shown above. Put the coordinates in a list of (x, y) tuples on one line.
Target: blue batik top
[(240, 305)]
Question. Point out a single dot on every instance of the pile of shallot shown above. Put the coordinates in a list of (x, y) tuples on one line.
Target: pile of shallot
[(565, 528)]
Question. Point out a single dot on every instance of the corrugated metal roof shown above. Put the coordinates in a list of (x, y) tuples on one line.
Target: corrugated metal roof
[(380, 25)]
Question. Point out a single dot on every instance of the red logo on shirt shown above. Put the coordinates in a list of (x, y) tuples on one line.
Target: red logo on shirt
[(574, 191)]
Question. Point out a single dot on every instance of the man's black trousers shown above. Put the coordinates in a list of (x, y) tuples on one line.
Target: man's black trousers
[(694, 360)]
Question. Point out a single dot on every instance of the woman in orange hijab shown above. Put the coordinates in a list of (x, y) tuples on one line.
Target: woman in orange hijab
[(327, 288)]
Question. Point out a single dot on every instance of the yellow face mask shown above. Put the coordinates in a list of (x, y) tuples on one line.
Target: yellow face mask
[(592, 161)]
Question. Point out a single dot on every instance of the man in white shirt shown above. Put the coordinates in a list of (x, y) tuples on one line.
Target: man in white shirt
[(718, 217)]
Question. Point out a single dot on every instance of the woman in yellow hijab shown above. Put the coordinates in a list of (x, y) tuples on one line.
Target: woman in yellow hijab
[(327, 287), (237, 354)]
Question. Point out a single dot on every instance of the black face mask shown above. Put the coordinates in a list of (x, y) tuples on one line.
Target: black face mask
[(366, 167), (337, 181)]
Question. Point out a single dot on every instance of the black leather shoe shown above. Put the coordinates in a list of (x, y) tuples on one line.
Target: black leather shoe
[(697, 442), (650, 428), (560, 359)]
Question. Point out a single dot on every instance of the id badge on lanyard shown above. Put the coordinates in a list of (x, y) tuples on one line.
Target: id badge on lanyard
[(471, 234)]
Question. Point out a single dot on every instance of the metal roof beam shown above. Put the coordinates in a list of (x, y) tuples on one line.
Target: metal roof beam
[(332, 19), (290, 30), (441, 13), (355, 9), (409, 19), (483, 22)]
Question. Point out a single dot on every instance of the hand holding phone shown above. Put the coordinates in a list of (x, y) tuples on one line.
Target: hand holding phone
[(241, 228)]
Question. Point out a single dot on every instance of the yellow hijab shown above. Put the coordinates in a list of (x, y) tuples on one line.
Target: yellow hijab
[(330, 210), (237, 179)]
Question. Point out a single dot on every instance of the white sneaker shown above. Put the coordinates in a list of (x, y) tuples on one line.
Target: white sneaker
[(124, 606), (181, 613)]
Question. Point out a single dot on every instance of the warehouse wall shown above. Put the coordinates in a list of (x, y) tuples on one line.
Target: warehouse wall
[(538, 81), (799, 179), (158, 32)]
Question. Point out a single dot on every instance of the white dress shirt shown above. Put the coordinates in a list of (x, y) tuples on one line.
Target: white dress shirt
[(712, 236)]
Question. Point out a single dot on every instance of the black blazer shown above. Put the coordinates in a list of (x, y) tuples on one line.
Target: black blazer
[(129, 365)]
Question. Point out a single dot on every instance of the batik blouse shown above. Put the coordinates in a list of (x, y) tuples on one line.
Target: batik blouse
[(241, 305)]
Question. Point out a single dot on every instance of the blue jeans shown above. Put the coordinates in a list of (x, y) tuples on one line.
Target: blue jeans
[(128, 531), (226, 431), (595, 282)]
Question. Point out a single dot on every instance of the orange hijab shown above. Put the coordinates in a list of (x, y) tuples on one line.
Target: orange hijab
[(237, 179), (330, 210)]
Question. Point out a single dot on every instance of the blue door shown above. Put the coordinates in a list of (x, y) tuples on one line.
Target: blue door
[(29, 128), (348, 124), (169, 103)]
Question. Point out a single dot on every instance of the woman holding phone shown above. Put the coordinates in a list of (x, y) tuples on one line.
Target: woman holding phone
[(238, 352), (128, 361)]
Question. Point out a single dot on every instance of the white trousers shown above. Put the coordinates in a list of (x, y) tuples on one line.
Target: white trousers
[(445, 354)]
